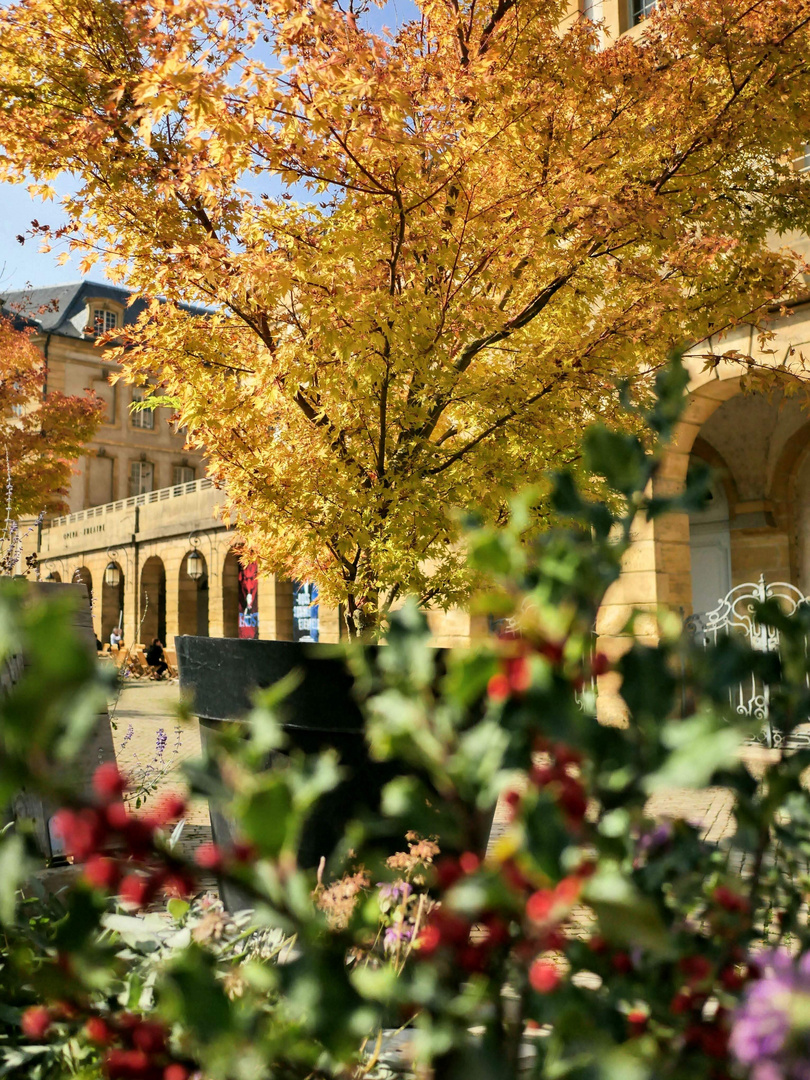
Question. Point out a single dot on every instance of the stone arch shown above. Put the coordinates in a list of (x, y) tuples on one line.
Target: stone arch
[(82, 575), (192, 600), (152, 600), (112, 605), (759, 477)]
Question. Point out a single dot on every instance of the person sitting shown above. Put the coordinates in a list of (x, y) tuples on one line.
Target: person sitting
[(156, 659), (116, 636)]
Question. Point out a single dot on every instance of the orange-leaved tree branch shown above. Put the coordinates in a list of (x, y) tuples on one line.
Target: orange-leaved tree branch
[(41, 435)]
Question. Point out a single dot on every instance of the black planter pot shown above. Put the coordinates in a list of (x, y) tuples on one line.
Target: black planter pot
[(220, 675)]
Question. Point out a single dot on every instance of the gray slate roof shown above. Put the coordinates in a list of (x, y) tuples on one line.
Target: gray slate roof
[(52, 308)]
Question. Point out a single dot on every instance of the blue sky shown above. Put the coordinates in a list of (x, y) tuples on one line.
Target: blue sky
[(23, 265)]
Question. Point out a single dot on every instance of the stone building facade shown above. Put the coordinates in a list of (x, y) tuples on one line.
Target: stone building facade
[(133, 452)]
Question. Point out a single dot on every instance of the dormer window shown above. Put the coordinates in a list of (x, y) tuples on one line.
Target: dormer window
[(104, 321)]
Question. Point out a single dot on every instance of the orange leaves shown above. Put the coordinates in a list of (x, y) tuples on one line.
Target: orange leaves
[(41, 436)]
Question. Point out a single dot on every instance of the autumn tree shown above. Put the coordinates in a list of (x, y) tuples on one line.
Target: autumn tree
[(41, 435), (429, 254)]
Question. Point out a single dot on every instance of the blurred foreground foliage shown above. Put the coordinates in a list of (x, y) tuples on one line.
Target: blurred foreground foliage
[(589, 940)]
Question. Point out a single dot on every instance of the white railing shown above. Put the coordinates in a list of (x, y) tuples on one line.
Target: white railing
[(736, 614), (148, 497)]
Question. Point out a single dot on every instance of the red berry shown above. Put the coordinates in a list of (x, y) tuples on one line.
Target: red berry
[(128, 1065), (497, 930), (572, 798), (36, 1022), (83, 831), (729, 900), (552, 650), (116, 816), (681, 1003), (209, 857), (543, 976), (498, 687), (98, 1031), (540, 905), (469, 862), (448, 872), (108, 782), (176, 1071), (178, 883), (511, 800), (566, 755), (101, 872), (637, 1019), (567, 891), (171, 808), (731, 979), (714, 1041), (150, 1037), (621, 962), (472, 957), (138, 836), (429, 940), (454, 929), (243, 852), (597, 944), (136, 890), (697, 969), (600, 664), (519, 674), (541, 775)]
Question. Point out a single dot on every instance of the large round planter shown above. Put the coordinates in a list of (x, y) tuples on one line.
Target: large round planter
[(220, 676)]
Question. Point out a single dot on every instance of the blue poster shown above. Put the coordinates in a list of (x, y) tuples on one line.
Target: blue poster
[(305, 611)]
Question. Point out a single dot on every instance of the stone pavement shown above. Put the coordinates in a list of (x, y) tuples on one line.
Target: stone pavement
[(151, 741)]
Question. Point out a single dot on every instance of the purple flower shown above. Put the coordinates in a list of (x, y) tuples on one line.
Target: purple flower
[(398, 934), (656, 838), (394, 891), (771, 1030), (160, 743), (128, 736)]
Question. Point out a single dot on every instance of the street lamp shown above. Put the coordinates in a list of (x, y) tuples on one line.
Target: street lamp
[(112, 575), (195, 565)]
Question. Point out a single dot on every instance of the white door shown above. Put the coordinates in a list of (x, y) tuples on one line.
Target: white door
[(710, 548), (711, 568)]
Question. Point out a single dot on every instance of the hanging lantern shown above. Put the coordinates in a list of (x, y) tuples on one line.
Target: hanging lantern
[(195, 565), (112, 575)]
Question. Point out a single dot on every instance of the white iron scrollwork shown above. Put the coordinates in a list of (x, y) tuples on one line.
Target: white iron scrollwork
[(735, 614)]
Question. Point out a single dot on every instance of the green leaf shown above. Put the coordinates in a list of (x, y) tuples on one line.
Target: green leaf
[(177, 908), (626, 917), (699, 748)]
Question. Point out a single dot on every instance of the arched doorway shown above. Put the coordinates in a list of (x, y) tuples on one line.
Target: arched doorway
[(81, 576), (112, 602), (192, 599), (240, 597), (153, 601), (748, 528), (230, 595)]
